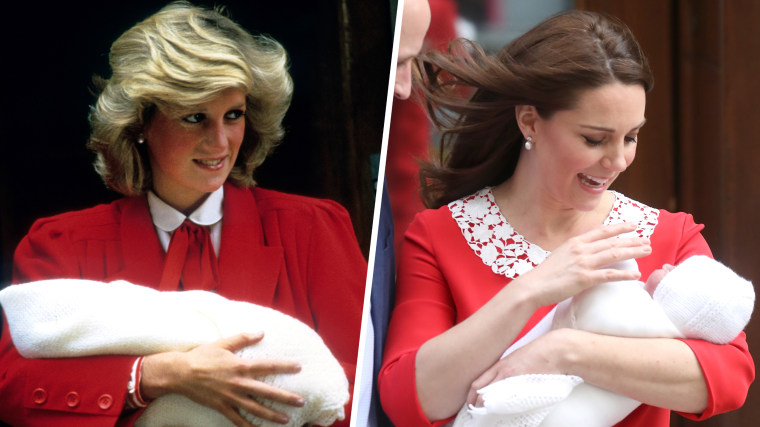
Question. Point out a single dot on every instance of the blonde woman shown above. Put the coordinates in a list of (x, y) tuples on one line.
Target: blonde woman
[(193, 107)]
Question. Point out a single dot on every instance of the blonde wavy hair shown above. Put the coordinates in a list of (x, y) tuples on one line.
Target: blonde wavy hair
[(177, 59)]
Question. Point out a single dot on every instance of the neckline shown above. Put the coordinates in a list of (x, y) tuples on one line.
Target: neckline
[(492, 199), (168, 219), (490, 235)]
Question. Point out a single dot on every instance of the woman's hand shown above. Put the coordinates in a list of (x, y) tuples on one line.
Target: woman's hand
[(213, 376), (575, 265), (541, 356)]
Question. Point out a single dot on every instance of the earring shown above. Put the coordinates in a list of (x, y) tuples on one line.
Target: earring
[(529, 143), (140, 139)]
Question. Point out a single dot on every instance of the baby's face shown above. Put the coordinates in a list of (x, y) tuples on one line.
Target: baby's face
[(656, 276)]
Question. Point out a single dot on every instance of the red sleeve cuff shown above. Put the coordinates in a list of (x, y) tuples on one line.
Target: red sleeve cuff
[(728, 369), (398, 393)]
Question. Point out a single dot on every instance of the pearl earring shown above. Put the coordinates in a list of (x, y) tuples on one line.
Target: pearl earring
[(529, 143), (140, 139)]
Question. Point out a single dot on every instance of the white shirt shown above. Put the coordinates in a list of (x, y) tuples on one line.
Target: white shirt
[(166, 219)]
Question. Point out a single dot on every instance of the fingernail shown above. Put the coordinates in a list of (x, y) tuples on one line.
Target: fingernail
[(300, 401), (283, 419)]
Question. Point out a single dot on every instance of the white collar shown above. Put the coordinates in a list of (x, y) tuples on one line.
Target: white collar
[(507, 252), (168, 219)]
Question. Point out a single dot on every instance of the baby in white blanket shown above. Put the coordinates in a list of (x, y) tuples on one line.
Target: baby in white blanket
[(700, 298), (72, 318)]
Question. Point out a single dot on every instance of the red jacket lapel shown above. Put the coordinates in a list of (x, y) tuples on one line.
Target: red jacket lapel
[(141, 251), (249, 270)]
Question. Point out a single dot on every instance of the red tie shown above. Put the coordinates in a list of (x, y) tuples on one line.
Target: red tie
[(190, 260)]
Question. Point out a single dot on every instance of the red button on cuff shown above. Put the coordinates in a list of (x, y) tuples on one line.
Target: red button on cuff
[(72, 399), (39, 396), (105, 401)]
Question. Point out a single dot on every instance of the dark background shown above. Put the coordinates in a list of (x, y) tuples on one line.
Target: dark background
[(340, 53)]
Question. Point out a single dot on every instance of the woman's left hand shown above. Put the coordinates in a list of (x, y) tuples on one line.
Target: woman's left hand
[(214, 376)]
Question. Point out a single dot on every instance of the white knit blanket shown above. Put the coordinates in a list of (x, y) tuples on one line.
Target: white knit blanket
[(701, 299), (72, 318)]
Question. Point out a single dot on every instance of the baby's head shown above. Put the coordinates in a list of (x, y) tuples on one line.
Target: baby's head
[(703, 298)]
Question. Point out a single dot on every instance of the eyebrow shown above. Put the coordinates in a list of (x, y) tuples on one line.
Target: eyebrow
[(204, 110), (604, 129)]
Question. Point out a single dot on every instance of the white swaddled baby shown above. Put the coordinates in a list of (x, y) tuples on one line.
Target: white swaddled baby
[(700, 298), (72, 318)]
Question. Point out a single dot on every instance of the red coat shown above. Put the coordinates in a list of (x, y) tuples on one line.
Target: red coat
[(295, 254)]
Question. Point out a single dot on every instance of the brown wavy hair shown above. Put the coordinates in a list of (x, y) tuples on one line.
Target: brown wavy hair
[(471, 96), (177, 59)]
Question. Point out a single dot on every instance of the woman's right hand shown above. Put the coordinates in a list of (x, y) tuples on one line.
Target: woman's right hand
[(576, 264), (213, 376)]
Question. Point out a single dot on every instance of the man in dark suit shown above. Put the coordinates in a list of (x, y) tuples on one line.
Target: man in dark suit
[(414, 25)]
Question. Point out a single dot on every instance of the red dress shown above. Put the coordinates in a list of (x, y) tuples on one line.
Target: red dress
[(295, 254), (450, 266)]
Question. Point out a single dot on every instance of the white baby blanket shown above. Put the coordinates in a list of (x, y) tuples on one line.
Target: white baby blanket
[(72, 318)]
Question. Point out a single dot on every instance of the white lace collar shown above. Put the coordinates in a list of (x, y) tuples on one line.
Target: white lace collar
[(507, 252)]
